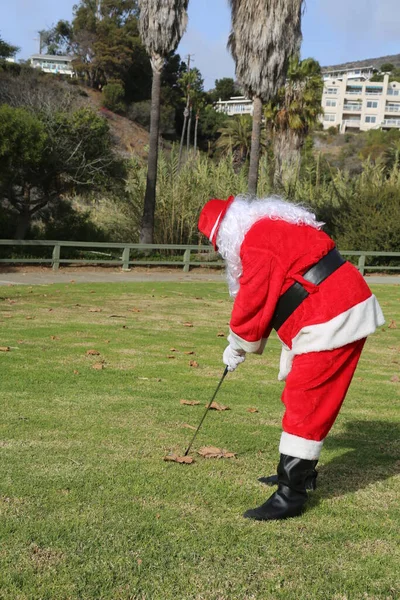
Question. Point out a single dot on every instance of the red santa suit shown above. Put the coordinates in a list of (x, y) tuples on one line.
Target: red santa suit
[(268, 245)]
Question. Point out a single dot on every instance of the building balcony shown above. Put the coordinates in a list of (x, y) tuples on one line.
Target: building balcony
[(352, 107), (391, 123), (392, 108), (373, 92), (354, 92), (352, 122), (237, 109)]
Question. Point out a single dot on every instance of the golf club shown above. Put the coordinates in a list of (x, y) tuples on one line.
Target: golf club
[(206, 411)]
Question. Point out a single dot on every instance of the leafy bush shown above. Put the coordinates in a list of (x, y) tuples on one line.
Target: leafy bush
[(113, 97), (332, 130), (140, 113)]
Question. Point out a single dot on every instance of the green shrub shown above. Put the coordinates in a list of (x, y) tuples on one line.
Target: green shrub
[(332, 130), (113, 97)]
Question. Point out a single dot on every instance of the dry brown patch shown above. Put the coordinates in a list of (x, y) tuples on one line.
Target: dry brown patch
[(44, 558)]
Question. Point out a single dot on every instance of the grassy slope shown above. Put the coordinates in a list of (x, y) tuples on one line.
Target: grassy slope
[(89, 510)]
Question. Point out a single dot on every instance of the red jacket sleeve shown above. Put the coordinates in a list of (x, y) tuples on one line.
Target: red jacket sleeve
[(260, 287)]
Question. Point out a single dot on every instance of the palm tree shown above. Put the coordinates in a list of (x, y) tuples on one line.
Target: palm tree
[(265, 33), (161, 29), (199, 103), (292, 113), (192, 82), (236, 138)]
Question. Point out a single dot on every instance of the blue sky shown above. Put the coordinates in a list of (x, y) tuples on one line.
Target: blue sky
[(334, 31)]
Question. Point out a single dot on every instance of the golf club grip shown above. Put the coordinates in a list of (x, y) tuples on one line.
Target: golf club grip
[(206, 411)]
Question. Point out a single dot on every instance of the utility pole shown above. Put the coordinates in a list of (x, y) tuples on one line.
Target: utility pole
[(186, 112), (40, 40)]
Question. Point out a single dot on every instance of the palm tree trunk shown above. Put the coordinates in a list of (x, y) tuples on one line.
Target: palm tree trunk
[(287, 157), (147, 229), (255, 146), (195, 133), (185, 116), (188, 131)]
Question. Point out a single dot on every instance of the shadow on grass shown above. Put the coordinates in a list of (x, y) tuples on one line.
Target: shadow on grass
[(372, 455)]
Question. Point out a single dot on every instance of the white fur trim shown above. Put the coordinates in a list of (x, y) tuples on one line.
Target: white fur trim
[(299, 447), (215, 226), (242, 214), (240, 344), (354, 324), (285, 363)]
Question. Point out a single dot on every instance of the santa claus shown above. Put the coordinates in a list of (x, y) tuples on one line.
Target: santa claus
[(285, 273)]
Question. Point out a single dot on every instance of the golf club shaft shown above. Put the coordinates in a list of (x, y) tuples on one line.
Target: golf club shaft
[(206, 411)]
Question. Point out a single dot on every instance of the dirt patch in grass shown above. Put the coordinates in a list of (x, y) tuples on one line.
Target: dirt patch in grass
[(44, 558)]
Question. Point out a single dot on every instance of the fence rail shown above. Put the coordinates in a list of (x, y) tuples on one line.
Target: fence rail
[(204, 255)]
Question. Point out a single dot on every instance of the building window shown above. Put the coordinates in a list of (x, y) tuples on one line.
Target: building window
[(372, 104), (331, 103), (393, 92), (373, 90), (329, 117), (370, 119), (331, 91)]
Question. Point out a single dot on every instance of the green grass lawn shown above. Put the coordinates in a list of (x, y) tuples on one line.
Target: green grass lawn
[(88, 507)]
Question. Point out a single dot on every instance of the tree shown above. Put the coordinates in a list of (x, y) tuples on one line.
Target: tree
[(103, 37), (265, 33), (236, 138), (224, 89), (161, 30), (292, 113), (46, 155), (199, 104), (113, 96), (192, 82), (210, 123), (57, 39), (387, 67), (22, 147), (7, 50)]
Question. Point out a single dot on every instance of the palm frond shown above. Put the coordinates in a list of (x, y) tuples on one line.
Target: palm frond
[(265, 34), (162, 24)]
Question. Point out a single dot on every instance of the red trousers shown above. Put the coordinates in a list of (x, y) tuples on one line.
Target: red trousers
[(313, 395)]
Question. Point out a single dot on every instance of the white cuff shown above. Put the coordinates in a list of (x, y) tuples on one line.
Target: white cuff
[(240, 344), (299, 447)]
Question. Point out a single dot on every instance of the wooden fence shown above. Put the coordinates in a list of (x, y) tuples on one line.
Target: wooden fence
[(187, 255)]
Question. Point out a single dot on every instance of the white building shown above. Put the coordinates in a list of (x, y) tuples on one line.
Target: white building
[(50, 63), (237, 105), (356, 74), (352, 103)]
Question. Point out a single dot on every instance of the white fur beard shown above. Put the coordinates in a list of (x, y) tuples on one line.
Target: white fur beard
[(241, 215)]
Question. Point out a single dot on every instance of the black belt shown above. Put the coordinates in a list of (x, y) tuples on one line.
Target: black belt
[(295, 295)]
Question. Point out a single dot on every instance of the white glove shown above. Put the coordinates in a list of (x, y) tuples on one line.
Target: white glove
[(232, 357)]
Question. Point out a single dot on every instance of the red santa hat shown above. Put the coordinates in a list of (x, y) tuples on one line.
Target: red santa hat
[(211, 218)]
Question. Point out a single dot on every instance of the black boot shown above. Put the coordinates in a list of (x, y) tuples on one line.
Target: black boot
[(291, 495), (311, 481)]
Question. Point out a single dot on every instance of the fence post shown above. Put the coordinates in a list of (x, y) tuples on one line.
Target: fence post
[(125, 259), (56, 257), (186, 261), (361, 264)]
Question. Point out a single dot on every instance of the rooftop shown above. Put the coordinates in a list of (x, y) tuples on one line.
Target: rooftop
[(53, 57)]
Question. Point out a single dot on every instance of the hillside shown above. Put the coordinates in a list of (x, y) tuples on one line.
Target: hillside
[(128, 135), (374, 62)]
